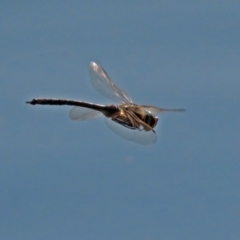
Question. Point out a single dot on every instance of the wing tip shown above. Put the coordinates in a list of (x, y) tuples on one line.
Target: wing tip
[(92, 64)]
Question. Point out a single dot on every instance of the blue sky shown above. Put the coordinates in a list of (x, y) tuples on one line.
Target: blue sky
[(62, 179)]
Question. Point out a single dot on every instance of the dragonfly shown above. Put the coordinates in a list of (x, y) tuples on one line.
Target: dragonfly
[(127, 119)]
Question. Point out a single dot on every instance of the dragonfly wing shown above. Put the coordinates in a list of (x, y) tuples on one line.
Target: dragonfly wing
[(82, 114), (105, 86), (135, 135), (157, 110)]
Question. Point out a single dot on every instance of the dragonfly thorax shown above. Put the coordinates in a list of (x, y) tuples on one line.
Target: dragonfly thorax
[(134, 117)]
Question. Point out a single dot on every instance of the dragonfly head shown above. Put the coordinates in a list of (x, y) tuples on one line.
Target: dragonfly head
[(151, 120)]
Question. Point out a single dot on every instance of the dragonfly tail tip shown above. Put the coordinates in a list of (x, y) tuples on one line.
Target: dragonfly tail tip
[(30, 102)]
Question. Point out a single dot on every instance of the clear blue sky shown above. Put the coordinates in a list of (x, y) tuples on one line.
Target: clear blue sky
[(61, 179)]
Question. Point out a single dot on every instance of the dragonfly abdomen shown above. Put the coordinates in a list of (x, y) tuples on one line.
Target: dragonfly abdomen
[(107, 110)]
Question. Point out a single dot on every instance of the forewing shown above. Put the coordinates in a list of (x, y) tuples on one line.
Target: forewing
[(105, 86), (82, 114), (157, 110), (135, 135)]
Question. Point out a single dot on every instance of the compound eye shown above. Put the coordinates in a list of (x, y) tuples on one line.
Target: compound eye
[(151, 120)]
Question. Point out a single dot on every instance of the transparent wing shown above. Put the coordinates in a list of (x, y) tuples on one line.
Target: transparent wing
[(157, 110), (135, 135), (82, 114), (105, 86)]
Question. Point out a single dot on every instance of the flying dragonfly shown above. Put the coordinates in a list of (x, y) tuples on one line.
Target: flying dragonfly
[(127, 119)]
